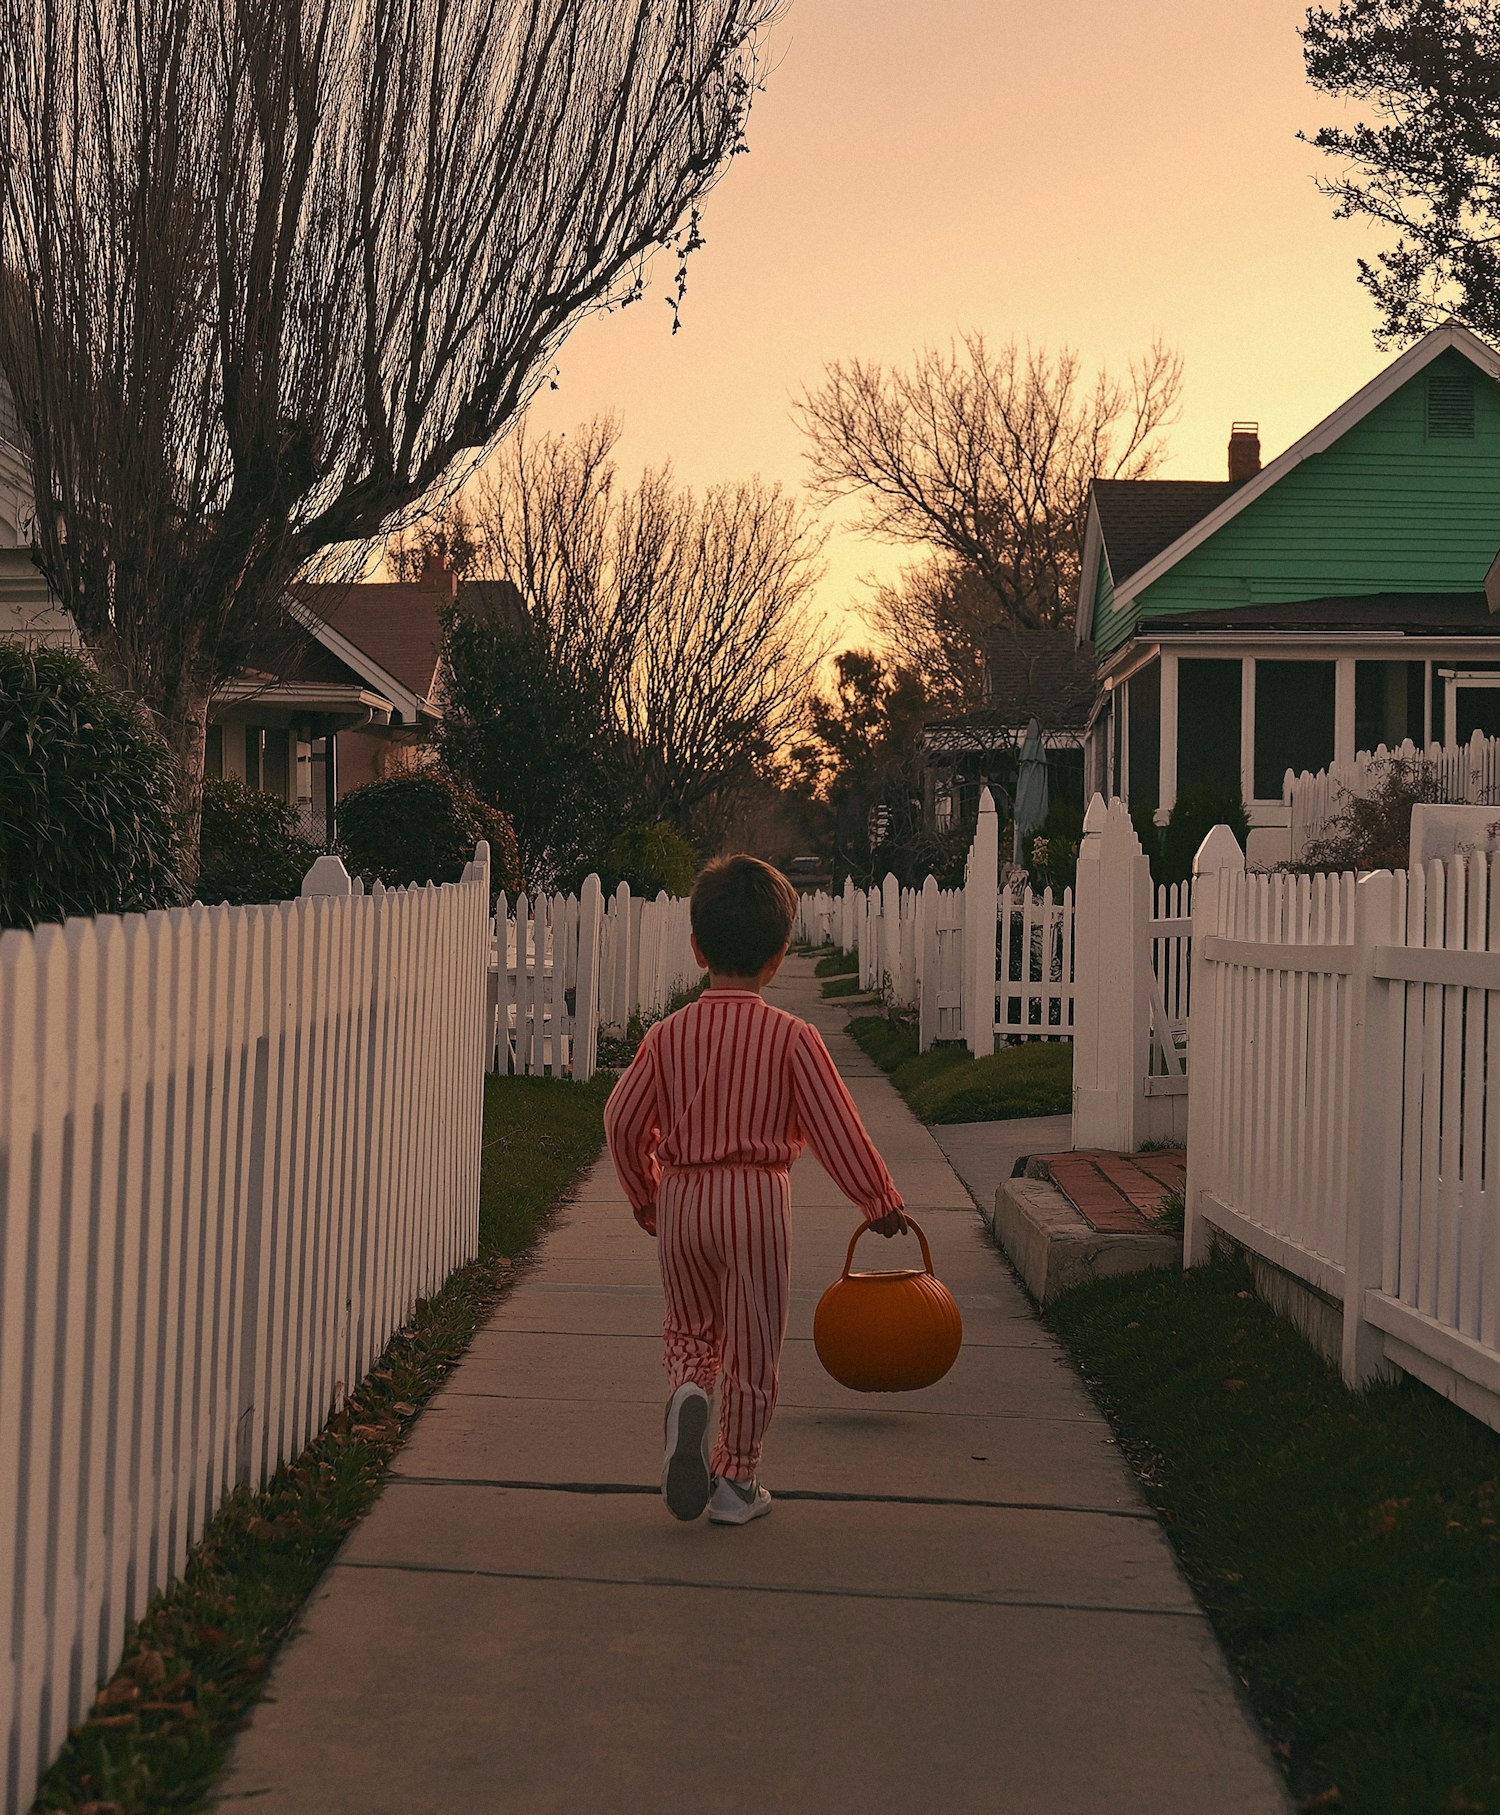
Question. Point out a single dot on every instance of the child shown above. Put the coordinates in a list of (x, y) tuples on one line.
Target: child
[(702, 1128)]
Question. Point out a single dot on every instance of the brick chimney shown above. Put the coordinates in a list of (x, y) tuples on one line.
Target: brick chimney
[(1244, 451), (437, 574)]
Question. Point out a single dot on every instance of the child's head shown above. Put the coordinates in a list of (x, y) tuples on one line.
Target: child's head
[(742, 913)]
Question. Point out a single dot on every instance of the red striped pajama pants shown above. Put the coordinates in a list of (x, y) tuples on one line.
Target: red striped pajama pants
[(725, 1239)]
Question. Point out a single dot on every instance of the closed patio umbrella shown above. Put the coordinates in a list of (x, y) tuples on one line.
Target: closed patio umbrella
[(1031, 788)]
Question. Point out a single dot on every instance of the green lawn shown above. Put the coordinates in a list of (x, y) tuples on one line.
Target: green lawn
[(836, 964), (946, 1085), (1347, 1547), (843, 986), (199, 1657)]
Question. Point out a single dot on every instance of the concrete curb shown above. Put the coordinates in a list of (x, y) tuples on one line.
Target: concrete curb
[(1051, 1246)]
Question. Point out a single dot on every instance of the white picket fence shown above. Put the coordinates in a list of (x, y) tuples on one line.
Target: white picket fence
[(563, 968), (1470, 773), (1132, 960), (989, 960), (236, 1145), (1106, 965), (1344, 1119)]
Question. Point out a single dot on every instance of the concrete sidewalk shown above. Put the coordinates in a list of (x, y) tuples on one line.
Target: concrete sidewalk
[(959, 1603)]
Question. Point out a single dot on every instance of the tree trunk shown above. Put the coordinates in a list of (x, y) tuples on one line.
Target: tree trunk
[(183, 722)]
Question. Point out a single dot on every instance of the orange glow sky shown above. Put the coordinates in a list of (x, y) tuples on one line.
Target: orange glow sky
[(1094, 173)]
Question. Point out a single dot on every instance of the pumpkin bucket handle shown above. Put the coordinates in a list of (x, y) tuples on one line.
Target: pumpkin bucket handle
[(912, 1224)]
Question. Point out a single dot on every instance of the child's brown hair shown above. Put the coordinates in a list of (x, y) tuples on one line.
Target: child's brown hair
[(742, 913)]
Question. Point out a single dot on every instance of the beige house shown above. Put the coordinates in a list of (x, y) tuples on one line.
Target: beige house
[(351, 696), (27, 608), (353, 699)]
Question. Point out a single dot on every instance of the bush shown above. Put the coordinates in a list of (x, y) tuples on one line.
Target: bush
[(1053, 854), (1194, 815), (422, 827), (88, 804), (1374, 833), (650, 859), (252, 849)]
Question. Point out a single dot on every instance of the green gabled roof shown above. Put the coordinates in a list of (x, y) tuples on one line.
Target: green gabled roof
[(1369, 503)]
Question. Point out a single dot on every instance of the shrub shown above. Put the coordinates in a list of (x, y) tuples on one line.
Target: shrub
[(252, 848), (88, 806), (422, 827), (650, 859), (1194, 815), (1053, 856), (1374, 833)]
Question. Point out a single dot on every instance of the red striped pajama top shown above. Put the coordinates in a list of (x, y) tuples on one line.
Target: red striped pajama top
[(731, 1081)]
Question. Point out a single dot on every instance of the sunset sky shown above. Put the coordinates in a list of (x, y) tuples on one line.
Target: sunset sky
[(1093, 173)]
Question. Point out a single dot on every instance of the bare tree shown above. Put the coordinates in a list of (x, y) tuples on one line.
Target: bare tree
[(933, 621), (692, 610), (986, 456), (280, 267)]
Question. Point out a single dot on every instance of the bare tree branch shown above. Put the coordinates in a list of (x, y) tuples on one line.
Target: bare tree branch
[(280, 268), (986, 457), (692, 610)]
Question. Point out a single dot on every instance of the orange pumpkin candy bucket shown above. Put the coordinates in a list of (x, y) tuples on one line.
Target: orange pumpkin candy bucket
[(892, 1332)]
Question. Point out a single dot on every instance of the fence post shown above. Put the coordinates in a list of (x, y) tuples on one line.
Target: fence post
[(888, 965), (1373, 1172), (1112, 981), (981, 912), (1219, 860), (586, 989), (927, 964), (327, 877)]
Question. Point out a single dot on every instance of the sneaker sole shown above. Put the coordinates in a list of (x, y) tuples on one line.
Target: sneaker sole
[(685, 1484), (746, 1517)]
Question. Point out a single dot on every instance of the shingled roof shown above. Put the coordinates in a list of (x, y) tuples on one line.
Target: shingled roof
[(1141, 517), (1465, 614), (1040, 674), (395, 625)]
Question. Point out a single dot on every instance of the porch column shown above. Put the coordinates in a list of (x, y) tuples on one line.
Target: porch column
[(1166, 792), (1343, 709), (330, 780)]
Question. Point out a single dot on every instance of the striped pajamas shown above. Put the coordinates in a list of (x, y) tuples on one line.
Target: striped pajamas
[(704, 1126)]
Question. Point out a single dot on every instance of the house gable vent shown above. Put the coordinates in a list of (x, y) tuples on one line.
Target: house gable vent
[(1450, 407)]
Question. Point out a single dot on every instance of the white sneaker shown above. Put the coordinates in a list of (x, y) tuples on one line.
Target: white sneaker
[(684, 1471), (737, 1503)]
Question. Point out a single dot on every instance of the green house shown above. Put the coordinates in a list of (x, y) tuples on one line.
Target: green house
[(1287, 616)]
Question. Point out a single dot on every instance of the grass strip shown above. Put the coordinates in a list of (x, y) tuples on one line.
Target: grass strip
[(843, 986), (945, 1084), (163, 1725), (1346, 1546), (836, 964)]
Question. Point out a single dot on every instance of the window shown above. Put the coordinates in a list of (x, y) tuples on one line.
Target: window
[(213, 752), (1208, 725), (254, 747), (1293, 722), (1388, 701), (1145, 736), (1450, 407)]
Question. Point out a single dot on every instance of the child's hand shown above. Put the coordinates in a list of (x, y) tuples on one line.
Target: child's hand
[(646, 1217), (892, 1223)]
